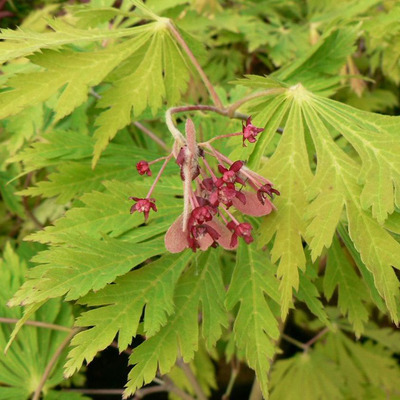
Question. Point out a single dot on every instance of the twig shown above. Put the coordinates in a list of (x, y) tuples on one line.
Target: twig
[(38, 324), (233, 107), (192, 379), (216, 100), (293, 341), (315, 338), (53, 362), (235, 368), (202, 107), (152, 135)]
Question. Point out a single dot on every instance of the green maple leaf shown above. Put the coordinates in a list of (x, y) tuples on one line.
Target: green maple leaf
[(23, 42), (71, 154), (309, 294), (289, 169), (120, 306), (255, 326), (86, 264), (306, 376), (108, 213), (73, 72), (202, 283), (310, 207), (362, 364), (352, 291), (153, 79)]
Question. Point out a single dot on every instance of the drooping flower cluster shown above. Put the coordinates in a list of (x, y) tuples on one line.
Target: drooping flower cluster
[(210, 193)]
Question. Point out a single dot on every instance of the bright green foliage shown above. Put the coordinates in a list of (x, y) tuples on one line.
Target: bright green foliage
[(75, 77), (337, 369), (306, 376), (255, 326), (24, 364), (204, 370), (309, 294), (202, 283), (289, 166), (161, 55), (363, 366), (86, 264), (339, 181), (122, 305), (352, 291)]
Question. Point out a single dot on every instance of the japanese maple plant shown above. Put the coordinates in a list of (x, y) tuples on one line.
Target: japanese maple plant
[(204, 186)]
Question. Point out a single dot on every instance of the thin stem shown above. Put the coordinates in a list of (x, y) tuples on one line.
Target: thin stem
[(158, 176), (295, 342), (229, 214), (224, 136), (53, 362), (202, 107), (233, 107), (157, 160), (177, 135), (216, 100), (315, 338), (209, 169), (192, 379), (152, 135), (37, 324), (234, 373)]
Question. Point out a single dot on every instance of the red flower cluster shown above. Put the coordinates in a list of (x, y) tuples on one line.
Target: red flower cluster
[(207, 219)]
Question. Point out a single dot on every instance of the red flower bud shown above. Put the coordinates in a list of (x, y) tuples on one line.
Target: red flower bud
[(143, 168)]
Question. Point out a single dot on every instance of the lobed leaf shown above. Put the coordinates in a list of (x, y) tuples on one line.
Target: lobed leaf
[(255, 326)]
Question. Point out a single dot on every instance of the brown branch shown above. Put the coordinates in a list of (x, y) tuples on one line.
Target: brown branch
[(53, 362), (37, 324), (315, 338)]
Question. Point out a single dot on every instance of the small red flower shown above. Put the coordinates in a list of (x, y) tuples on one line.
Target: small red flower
[(202, 214), (225, 194), (231, 175), (143, 167), (243, 230), (250, 132), (264, 190), (144, 206), (197, 237)]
